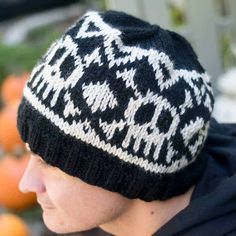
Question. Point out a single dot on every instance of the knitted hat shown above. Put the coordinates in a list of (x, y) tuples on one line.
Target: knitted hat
[(121, 104)]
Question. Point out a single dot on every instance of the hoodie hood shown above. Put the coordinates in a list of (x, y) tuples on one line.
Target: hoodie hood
[(212, 208)]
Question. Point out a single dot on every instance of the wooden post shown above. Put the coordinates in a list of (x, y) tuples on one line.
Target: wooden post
[(204, 36), (129, 6), (153, 11)]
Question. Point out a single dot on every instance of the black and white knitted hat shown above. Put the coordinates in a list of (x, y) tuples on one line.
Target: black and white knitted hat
[(121, 104)]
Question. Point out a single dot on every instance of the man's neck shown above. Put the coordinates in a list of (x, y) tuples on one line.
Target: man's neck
[(145, 218)]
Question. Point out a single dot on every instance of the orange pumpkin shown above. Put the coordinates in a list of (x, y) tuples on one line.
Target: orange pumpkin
[(11, 171), (10, 140), (12, 87), (11, 224)]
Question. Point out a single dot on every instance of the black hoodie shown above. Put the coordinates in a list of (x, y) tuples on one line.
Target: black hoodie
[(212, 208)]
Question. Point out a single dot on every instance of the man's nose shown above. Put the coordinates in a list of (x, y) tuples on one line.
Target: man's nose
[(32, 181)]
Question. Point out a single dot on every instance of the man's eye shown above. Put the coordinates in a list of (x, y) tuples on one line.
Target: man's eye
[(43, 163), (39, 160)]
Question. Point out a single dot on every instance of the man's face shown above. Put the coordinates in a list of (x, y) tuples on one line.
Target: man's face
[(69, 204)]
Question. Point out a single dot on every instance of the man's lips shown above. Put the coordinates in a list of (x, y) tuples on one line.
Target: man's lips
[(45, 205)]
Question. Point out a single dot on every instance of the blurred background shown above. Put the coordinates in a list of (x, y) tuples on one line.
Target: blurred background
[(27, 28)]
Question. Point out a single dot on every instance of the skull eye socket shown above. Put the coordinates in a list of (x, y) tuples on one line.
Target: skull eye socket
[(193, 140), (67, 66), (57, 55), (144, 114), (164, 121)]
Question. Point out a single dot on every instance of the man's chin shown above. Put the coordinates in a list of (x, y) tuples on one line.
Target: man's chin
[(54, 224)]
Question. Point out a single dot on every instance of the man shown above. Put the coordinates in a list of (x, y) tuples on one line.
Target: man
[(117, 115)]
